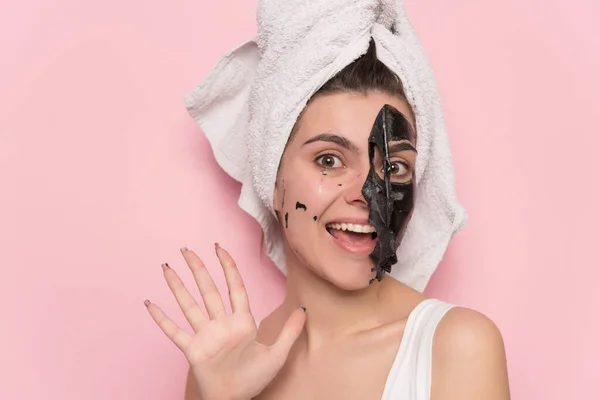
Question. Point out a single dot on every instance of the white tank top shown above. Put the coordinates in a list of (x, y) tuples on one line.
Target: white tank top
[(410, 375)]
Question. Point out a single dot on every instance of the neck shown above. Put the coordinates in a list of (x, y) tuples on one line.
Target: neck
[(334, 313)]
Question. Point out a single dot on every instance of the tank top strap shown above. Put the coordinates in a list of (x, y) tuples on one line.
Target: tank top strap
[(410, 376)]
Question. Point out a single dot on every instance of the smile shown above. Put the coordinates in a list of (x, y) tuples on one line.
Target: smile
[(358, 228), (353, 238)]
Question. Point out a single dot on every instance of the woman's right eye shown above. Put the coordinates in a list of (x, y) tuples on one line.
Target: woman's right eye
[(329, 161)]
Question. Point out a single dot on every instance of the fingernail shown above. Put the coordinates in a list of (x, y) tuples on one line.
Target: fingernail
[(217, 247), (303, 308), (183, 250), (146, 303), (165, 266)]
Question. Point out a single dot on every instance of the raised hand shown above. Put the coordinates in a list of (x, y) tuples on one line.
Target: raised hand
[(224, 356)]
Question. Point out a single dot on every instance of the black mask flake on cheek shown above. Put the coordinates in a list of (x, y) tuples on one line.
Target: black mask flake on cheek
[(300, 206), (390, 204)]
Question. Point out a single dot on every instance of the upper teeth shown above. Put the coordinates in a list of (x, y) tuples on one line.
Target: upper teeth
[(353, 227)]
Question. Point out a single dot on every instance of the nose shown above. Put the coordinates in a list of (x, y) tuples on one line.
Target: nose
[(353, 194)]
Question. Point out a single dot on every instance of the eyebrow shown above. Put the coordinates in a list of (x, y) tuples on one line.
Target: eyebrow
[(397, 147), (333, 138)]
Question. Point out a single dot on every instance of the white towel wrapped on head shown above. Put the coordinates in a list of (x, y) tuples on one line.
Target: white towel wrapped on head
[(249, 103)]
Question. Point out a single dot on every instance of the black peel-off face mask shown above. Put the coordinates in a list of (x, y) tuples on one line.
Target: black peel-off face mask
[(390, 203)]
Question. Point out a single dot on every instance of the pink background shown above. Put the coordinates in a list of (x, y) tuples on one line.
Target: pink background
[(104, 176)]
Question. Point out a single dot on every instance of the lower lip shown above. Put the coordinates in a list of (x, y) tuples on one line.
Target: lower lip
[(365, 247)]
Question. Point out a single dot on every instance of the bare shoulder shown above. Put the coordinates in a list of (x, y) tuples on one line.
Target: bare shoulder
[(464, 332), (469, 360)]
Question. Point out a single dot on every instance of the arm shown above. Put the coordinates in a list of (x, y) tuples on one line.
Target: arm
[(469, 361), (191, 390)]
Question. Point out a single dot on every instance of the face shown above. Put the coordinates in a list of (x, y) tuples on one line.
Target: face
[(346, 182)]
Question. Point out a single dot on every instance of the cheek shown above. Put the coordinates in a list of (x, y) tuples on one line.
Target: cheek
[(305, 200), (308, 195), (306, 192)]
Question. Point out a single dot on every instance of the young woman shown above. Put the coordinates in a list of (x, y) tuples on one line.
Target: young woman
[(339, 334)]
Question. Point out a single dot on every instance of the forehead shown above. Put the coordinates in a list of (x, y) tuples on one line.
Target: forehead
[(347, 114)]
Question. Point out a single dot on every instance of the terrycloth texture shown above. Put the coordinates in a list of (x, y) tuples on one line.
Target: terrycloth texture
[(250, 101)]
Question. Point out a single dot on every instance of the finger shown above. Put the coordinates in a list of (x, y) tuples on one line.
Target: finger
[(192, 311), (177, 335), (208, 290), (238, 296), (288, 335)]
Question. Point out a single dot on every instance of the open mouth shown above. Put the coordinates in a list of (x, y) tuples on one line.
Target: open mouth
[(354, 238)]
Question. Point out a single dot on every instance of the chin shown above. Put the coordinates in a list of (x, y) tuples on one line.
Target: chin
[(350, 275), (350, 284)]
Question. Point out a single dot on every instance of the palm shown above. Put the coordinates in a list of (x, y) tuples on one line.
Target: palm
[(223, 353)]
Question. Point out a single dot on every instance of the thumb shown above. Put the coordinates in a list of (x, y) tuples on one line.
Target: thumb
[(289, 334)]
